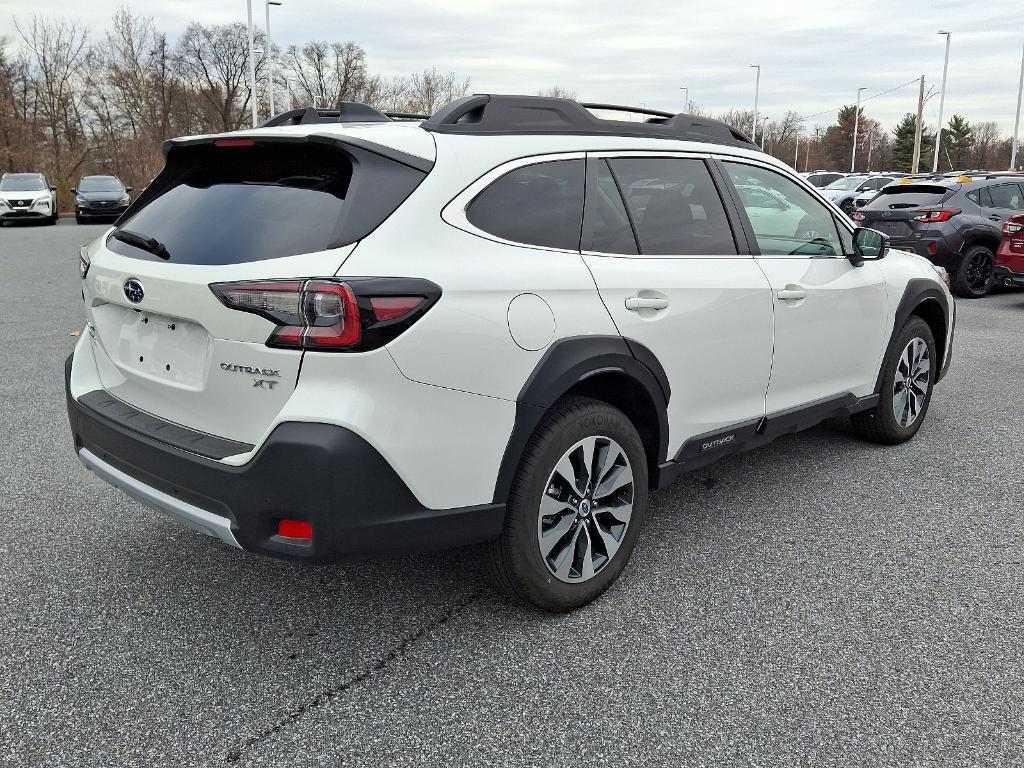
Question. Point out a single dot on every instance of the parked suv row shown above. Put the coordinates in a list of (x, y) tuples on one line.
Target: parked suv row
[(957, 225), (341, 334)]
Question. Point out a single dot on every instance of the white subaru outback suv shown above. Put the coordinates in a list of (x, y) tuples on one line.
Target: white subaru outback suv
[(344, 335)]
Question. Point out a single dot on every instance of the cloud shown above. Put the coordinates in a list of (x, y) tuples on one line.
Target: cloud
[(814, 54)]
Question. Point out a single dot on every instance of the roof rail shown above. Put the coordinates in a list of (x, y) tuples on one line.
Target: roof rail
[(406, 116), (350, 112), (487, 114)]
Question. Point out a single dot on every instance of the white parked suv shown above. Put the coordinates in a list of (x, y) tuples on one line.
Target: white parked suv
[(341, 334), (27, 197)]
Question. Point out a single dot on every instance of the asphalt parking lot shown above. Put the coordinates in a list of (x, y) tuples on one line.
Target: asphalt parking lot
[(820, 602)]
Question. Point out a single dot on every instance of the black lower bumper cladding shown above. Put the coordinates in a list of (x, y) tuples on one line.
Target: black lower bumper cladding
[(325, 474)]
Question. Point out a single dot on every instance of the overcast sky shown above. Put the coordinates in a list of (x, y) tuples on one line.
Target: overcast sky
[(814, 54)]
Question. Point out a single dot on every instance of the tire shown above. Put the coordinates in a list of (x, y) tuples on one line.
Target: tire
[(889, 425), (79, 220), (973, 278), (576, 566)]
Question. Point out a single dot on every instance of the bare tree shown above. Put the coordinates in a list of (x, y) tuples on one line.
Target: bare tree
[(557, 92), (213, 61), (428, 90)]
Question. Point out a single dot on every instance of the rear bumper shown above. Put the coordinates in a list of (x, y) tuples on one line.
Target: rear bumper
[(325, 474), (1002, 273)]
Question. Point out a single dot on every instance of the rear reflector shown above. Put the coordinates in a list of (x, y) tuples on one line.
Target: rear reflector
[(295, 529)]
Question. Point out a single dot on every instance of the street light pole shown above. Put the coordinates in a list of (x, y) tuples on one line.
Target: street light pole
[(796, 155), (252, 67), (757, 91), (942, 102), (1016, 123), (764, 131), (856, 127), (686, 97), (270, 59)]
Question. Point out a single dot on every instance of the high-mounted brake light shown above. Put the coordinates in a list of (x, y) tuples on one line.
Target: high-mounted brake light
[(234, 143), (936, 215), (332, 315)]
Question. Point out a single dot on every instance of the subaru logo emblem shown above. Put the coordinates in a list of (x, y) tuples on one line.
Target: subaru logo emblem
[(886, 215), (133, 290)]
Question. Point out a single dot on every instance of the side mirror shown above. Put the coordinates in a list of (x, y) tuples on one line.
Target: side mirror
[(53, 189), (74, 190), (868, 245), (128, 189)]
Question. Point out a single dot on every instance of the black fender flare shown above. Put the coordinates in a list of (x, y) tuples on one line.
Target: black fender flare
[(566, 363), (918, 291)]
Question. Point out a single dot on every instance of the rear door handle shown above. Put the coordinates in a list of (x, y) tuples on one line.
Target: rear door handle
[(792, 294), (995, 218), (635, 303)]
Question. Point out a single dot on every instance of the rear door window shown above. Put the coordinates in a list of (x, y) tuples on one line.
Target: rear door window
[(606, 226), (540, 204), (674, 206), (1007, 196), (229, 205)]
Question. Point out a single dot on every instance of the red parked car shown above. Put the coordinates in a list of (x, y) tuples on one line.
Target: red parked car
[(1009, 265)]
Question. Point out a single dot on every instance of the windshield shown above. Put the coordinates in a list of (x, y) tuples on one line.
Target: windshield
[(22, 182), (100, 184), (850, 182)]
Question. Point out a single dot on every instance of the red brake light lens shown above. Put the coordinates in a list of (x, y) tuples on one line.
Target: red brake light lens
[(936, 215), (393, 307), (858, 216), (331, 315), (234, 143)]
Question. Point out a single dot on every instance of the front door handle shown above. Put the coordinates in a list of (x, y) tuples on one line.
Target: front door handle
[(636, 303), (792, 294)]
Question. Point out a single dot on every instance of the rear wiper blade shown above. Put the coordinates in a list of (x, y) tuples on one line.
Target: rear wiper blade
[(146, 243)]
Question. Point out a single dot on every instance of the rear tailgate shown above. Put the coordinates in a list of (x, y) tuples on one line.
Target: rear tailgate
[(163, 341), (894, 208)]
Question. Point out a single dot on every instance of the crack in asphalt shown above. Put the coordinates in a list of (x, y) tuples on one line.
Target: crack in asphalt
[(380, 663)]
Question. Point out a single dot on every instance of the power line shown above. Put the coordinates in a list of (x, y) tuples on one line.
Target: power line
[(868, 98)]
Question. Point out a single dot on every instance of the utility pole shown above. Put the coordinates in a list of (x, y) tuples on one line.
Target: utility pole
[(856, 125), (270, 59), (871, 145), (1016, 123), (942, 102), (252, 68), (757, 91), (918, 131), (796, 155), (807, 152)]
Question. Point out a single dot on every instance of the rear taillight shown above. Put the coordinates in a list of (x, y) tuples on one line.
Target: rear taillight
[(1012, 228), (858, 216), (332, 315), (936, 215)]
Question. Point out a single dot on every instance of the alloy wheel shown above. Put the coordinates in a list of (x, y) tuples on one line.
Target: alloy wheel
[(978, 272), (910, 388), (585, 509)]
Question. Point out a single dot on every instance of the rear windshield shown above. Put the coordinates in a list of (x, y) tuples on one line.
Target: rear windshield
[(229, 205), (908, 196)]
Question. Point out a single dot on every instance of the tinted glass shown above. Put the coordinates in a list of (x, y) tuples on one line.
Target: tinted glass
[(850, 182), (606, 227), (240, 204), (100, 184), (538, 204), (1005, 196), (876, 183), (898, 196), (22, 182), (675, 206), (794, 224)]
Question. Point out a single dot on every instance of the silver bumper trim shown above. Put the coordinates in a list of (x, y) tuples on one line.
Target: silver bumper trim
[(187, 514)]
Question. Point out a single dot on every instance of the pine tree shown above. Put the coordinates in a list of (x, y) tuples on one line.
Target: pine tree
[(957, 141), (903, 147)]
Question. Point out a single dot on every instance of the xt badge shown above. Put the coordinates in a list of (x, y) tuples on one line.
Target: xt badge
[(263, 383)]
